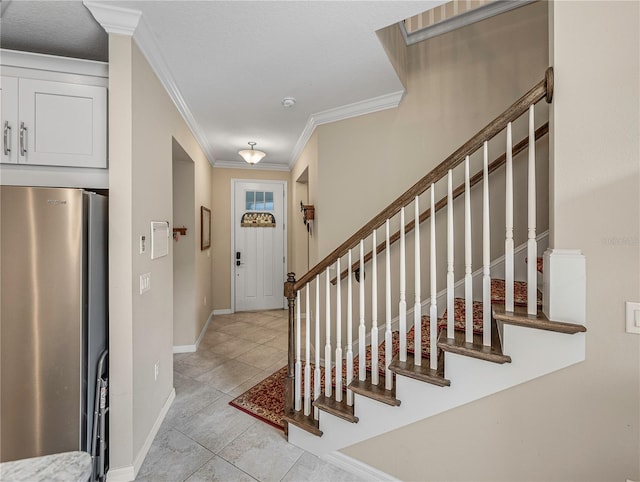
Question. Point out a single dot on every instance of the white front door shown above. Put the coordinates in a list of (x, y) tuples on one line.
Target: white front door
[(259, 251)]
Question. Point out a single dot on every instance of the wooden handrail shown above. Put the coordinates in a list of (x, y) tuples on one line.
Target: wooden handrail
[(458, 191), (542, 90)]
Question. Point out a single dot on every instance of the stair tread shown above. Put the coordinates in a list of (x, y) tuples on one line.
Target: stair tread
[(308, 423), (420, 372), (520, 317), (339, 409), (477, 349), (376, 392)]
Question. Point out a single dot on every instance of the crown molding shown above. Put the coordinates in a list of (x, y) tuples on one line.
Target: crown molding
[(368, 106), (261, 166), (462, 20), (116, 20), (124, 21), (148, 44), (146, 41)]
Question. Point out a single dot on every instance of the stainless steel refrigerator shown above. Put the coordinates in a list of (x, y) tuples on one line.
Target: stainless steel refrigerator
[(53, 317)]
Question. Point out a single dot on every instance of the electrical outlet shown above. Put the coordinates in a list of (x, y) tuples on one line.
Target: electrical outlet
[(156, 370)]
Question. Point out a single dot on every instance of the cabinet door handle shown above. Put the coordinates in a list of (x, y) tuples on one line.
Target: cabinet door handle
[(23, 139), (7, 138)]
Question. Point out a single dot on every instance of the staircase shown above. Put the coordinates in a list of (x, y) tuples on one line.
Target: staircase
[(479, 335)]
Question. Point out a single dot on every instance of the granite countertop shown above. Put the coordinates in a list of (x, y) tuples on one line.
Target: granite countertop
[(67, 467)]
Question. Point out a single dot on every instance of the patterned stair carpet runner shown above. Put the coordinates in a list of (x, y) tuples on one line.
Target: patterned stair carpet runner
[(265, 400)]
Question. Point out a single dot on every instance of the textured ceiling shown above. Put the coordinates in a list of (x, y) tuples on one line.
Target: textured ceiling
[(234, 61), (64, 28)]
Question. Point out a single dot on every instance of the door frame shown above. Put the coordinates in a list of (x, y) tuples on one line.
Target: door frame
[(285, 208)]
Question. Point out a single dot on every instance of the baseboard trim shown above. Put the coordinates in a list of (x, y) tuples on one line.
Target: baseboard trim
[(356, 467), (122, 474), (226, 311), (137, 463), (184, 349), (129, 473), (193, 348)]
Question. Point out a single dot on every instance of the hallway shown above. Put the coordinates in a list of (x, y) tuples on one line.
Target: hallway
[(203, 437)]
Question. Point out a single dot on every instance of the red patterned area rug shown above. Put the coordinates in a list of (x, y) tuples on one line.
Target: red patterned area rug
[(265, 401)]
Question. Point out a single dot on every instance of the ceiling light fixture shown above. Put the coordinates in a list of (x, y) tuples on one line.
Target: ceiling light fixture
[(252, 156)]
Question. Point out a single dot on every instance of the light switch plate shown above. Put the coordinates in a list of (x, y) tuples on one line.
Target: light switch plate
[(145, 282), (633, 317)]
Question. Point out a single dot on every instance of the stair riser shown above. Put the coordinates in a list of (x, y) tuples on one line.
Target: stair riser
[(470, 380)]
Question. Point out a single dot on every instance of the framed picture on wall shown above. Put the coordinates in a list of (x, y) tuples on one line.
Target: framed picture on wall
[(205, 228)]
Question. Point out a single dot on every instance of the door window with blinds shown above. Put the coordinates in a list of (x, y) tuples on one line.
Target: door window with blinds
[(259, 201)]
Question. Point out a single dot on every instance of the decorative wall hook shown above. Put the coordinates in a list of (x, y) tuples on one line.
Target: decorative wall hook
[(177, 232)]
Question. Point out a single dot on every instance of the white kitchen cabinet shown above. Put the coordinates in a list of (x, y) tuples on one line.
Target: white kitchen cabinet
[(55, 123), (9, 119)]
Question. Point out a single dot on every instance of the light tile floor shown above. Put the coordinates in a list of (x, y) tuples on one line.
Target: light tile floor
[(203, 437)]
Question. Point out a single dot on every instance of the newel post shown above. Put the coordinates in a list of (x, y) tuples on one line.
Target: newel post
[(290, 294)]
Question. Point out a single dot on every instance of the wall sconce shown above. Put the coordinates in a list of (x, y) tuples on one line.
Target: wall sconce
[(308, 214)]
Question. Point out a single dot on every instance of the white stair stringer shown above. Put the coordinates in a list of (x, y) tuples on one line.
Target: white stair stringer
[(534, 353)]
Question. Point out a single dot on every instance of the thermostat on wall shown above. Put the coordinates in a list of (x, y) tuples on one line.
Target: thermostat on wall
[(159, 239)]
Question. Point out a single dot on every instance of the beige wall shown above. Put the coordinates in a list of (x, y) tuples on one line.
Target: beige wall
[(184, 298), (304, 248), (456, 84), (121, 283), (143, 122), (580, 423), (359, 165), (394, 46), (221, 226)]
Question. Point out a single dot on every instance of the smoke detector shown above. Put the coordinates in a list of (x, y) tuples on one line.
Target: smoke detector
[(288, 102)]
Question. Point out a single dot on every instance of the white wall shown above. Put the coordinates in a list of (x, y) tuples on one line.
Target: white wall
[(581, 423)]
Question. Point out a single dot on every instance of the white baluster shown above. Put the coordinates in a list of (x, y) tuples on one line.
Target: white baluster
[(417, 306), (532, 246), (433, 312), (508, 242), (402, 307), (338, 335), (450, 261), (362, 328), (486, 251), (298, 366), (468, 279), (388, 336), (327, 342), (349, 374), (307, 356), (374, 313), (316, 371)]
